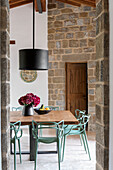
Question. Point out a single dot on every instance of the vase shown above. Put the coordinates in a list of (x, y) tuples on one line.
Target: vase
[(28, 110)]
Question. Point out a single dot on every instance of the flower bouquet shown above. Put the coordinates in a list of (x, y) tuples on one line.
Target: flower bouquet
[(29, 100)]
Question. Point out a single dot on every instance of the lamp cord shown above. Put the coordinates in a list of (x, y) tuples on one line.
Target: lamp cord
[(33, 24)]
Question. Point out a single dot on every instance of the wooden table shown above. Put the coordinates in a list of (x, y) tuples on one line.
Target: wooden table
[(53, 116)]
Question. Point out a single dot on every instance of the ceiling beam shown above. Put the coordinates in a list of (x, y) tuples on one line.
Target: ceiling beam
[(16, 3), (43, 5)]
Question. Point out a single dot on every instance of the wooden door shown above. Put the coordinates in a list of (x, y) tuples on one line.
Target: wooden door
[(76, 86)]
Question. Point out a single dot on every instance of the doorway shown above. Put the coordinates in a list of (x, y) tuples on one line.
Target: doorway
[(76, 87)]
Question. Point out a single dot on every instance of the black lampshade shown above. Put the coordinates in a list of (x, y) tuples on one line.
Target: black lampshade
[(33, 59)]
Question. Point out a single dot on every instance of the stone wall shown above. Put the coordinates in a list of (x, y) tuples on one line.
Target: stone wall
[(102, 85), (71, 38), (5, 84)]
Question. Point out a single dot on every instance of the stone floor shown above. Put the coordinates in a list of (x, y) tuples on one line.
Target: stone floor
[(75, 156)]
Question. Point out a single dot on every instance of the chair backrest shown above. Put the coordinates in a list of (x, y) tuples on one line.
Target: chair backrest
[(84, 120), (53, 107), (47, 125), (16, 128), (16, 108), (79, 113)]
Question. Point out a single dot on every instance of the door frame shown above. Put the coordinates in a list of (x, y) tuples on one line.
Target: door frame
[(86, 83)]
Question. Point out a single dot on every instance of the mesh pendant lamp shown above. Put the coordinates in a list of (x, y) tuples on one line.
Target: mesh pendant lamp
[(33, 59)]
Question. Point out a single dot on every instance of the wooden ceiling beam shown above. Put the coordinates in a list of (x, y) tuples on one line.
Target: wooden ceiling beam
[(43, 5), (16, 3), (86, 2)]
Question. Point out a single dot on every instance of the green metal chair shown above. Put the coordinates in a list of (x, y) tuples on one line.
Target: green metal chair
[(79, 113), (15, 127), (79, 129), (16, 108), (52, 108), (47, 140)]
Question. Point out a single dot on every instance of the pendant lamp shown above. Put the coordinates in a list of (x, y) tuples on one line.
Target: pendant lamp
[(33, 59)]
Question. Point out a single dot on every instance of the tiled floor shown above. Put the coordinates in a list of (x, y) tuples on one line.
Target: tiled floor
[(75, 156)]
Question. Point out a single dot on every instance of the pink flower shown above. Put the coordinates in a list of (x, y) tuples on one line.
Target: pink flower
[(28, 99)]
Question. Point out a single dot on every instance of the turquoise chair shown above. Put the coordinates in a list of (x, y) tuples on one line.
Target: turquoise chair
[(16, 108), (15, 127), (79, 129), (52, 108), (58, 127), (78, 115)]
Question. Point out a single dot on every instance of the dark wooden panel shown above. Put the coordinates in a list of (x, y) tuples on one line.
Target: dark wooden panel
[(12, 42), (76, 87)]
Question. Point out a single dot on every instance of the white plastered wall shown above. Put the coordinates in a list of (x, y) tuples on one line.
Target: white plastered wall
[(21, 31)]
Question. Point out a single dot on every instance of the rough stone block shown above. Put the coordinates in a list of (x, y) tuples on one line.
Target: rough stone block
[(91, 42), (69, 35), (58, 80), (73, 43), (50, 37), (58, 51), (99, 94), (51, 44), (5, 92), (75, 57), (58, 44), (66, 10), (102, 135), (80, 21), (91, 91), (78, 50), (50, 73), (59, 36), (102, 156), (74, 28), (80, 35), (58, 24), (69, 22), (99, 113), (83, 14), (104, 70), (64, 44), (5, 69), (83, 43), (54, 64), (62, 17), (51, 18), (59, 72), (68, 51), (86, 8)]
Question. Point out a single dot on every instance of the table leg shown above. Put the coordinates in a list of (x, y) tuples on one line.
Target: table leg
[(32, 145)]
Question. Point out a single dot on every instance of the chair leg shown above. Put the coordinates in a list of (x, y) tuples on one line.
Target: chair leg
[(84, 143), (19, 150), (59, 153), (15, 154), (63, 148), (36, 150), (87, 145), (40, 132), (80, 140)]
